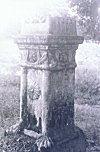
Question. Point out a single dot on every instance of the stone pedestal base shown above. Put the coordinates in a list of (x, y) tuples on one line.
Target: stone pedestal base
[(23, 143)]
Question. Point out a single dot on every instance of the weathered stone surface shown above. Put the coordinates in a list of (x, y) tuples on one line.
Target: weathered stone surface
[(48, 82), (49, 25), (50, 85)]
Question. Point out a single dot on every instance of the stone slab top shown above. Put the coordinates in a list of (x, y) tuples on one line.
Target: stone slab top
[(49, 25)]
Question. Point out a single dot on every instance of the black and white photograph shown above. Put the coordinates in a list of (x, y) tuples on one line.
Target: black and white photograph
[(49, 75)]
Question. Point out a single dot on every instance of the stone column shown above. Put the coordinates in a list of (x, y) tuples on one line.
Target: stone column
[(48, 79)]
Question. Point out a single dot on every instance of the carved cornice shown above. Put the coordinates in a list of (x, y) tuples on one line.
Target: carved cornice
[(49, 52), (27, 40)]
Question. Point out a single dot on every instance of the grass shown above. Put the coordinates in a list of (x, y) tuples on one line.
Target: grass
[(87, 91), (87, 118), (9, 101)]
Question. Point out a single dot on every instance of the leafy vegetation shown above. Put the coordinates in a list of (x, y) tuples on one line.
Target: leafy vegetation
[(88, 17)]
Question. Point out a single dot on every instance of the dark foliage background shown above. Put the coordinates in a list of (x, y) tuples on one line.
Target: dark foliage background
[(88, 17)]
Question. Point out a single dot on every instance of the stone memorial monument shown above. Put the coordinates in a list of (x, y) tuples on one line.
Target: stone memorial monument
[(48, 46)]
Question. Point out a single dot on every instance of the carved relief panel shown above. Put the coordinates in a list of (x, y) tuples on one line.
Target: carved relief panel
[(48, 58)]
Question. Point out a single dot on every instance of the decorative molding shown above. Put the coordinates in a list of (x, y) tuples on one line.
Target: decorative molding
[(46, 67), (49, 58), (39, 39), (34, 91)]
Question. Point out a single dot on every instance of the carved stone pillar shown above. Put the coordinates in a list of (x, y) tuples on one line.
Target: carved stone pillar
[(48, 64)]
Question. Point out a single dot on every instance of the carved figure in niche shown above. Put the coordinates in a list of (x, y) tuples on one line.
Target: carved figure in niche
[(61, 58), (34, 95), (32, 56), (37, 57), (45, 58), (53, 62), (37, 99)]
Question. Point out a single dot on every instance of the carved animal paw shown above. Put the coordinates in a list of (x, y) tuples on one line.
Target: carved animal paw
[(44, 142), (15, 128)]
